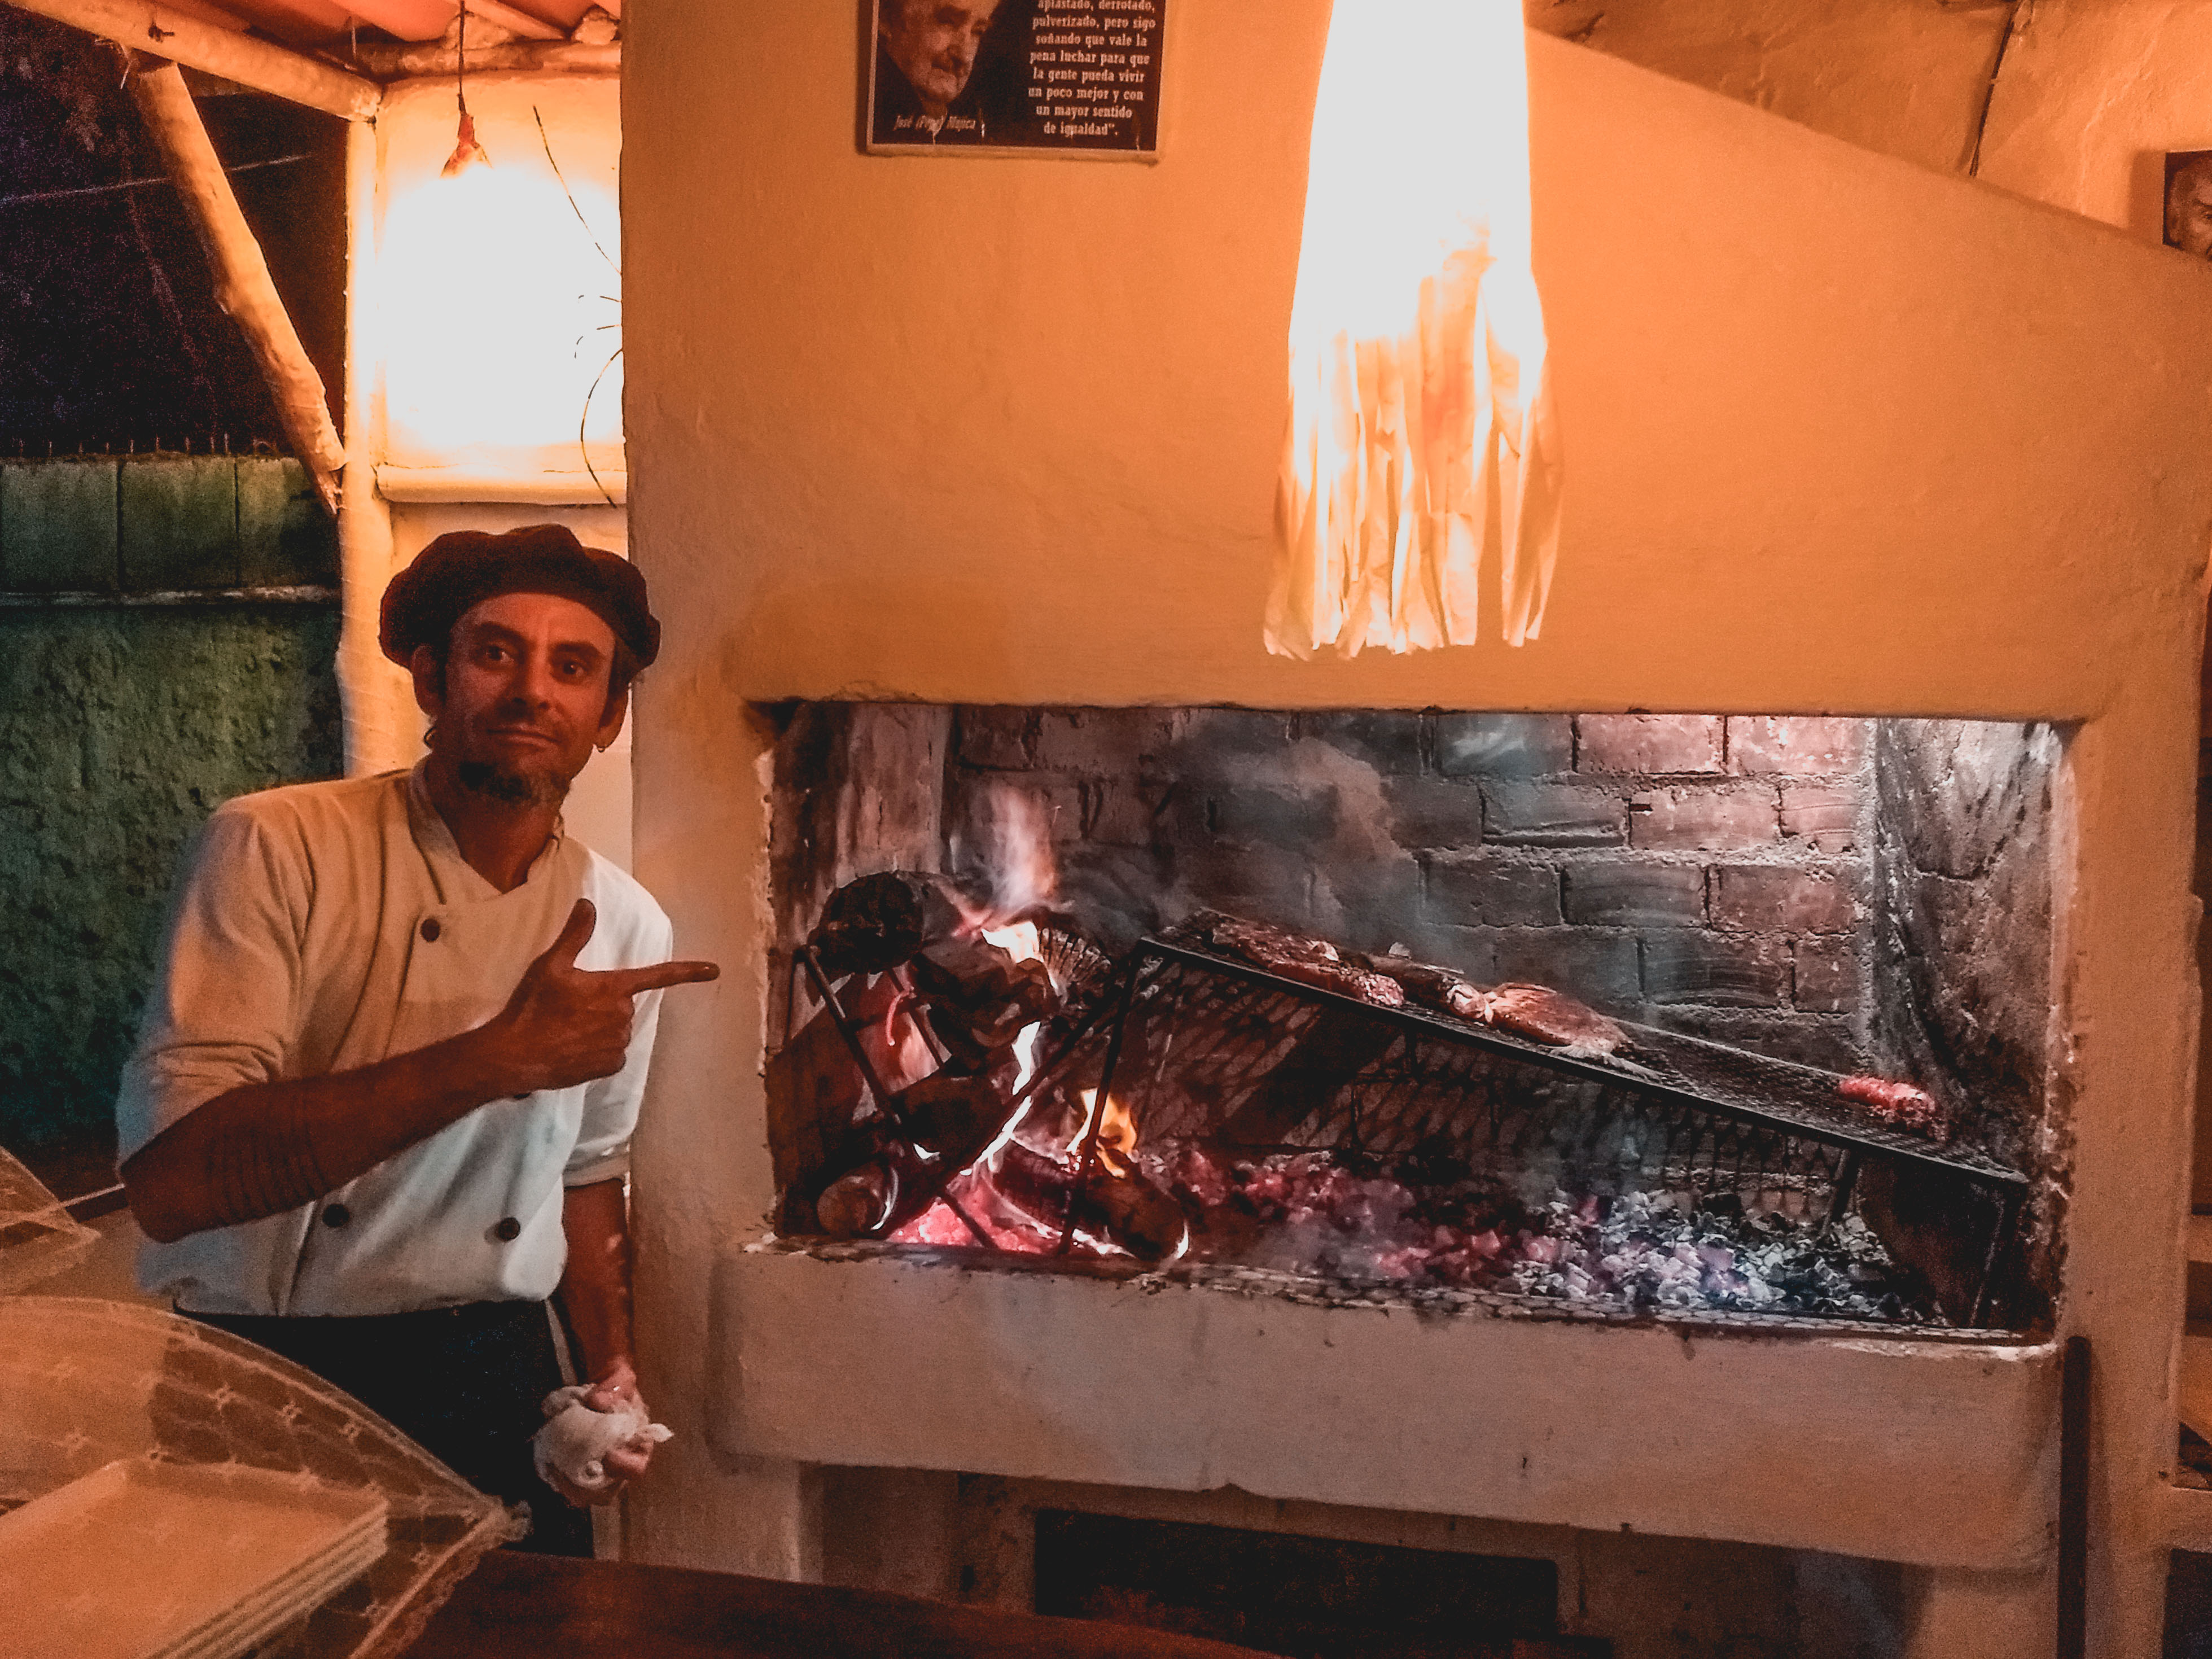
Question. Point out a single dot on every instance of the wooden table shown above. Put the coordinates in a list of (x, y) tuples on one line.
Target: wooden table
[(539, 1606)]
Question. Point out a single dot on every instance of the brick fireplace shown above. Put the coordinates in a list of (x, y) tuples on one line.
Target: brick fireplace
[(1846, 440), (1773, 889)]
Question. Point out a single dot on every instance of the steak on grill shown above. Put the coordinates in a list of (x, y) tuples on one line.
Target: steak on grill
[(1551, 1017), (1903, 1104), (1291, 956), (1438, 988)]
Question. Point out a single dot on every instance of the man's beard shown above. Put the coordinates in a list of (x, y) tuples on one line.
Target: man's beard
[(510, 788)]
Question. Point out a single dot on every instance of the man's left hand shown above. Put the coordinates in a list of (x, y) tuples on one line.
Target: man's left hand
[(615, 1389)]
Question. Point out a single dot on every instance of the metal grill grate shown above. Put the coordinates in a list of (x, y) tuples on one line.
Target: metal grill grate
[(1211, 1045)]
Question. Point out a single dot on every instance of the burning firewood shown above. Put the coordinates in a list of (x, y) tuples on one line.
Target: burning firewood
[(1128, 1208), (859, 1201), (874, 924), (980, 997), (955, 1117)]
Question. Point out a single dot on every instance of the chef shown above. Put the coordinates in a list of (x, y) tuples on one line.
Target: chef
[(380, 1106)]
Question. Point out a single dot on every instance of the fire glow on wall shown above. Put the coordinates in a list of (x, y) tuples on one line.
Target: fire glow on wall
[(1422, 448)]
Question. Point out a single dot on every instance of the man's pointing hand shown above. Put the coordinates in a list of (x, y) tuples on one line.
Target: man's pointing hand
[(565, 1024)]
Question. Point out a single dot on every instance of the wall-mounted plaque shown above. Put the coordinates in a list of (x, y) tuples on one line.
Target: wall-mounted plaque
[(2189, 201), (1075, 77)]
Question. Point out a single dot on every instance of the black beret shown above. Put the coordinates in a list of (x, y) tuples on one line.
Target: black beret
[(464, 568)]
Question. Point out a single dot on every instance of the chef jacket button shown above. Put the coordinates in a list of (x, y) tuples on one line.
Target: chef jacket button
[(430, 930), (336, 1215), (508, 1230)]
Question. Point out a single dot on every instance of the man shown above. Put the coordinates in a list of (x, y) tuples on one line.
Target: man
[(382, 1102), (925, 58), (2189, 205)]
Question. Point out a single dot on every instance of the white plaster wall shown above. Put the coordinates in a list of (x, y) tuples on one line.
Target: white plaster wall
[(2094, 92), (1906, 77), (1829, 1443), (1843, 436)]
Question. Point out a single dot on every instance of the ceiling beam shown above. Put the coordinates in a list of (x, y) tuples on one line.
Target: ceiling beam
[(242, 284), (391, 61), (513, 20), (149, 25)]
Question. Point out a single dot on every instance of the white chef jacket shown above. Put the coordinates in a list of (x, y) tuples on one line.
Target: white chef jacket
[(321, 929)]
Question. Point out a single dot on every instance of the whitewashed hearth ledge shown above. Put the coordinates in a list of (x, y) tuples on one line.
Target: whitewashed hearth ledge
[(445, 483), (1932, 1453)]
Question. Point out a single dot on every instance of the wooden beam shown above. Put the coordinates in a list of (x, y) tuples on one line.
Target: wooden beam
[(242, 284), (391, 62), (513, 20), (150, 26)]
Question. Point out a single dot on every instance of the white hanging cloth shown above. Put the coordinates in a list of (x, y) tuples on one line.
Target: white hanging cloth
[(1422, 438)]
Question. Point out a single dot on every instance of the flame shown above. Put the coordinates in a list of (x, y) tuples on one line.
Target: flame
[(1016, 858), (1117, 1131)]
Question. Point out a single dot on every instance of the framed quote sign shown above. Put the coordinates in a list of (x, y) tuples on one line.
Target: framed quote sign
[(1068, 77)]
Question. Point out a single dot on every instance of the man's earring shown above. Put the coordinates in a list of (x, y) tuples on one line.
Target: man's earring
[(430, 734)]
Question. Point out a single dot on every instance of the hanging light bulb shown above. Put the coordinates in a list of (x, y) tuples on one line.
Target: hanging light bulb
[(466, 150)]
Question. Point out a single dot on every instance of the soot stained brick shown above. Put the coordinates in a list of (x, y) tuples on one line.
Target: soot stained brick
[(1825, 817), (1808, 746), (1369, 906), (1503, 745), (1599, 968), (1265, 883), (1105, 743), (1388, 739), (1827, 976), (1209, 735), (1478, 891), (1762, 899), (1552, 815), (1132, 813), (1275, 818), (1433, 812), (1702, 820), (1720, 969), (996, 737), (1649, 743), (1472, 951), (1635, 896)]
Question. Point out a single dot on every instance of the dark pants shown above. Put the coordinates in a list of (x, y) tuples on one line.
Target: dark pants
[(464, 1382)]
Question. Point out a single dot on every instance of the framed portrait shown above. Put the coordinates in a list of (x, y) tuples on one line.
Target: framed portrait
[(2189, 201), (968, 77)]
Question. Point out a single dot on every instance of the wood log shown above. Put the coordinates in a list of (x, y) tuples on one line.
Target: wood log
[(149, 25), (242, 284), (389, 62), (1132, 1211), (858, 1202), (516, 21), (879, 921)]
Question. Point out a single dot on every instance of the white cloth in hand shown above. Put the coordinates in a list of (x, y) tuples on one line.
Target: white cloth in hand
[(576, 1439)]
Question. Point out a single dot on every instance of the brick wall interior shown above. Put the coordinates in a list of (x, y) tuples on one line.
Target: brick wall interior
[(1853, 894), (1704, 873)]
